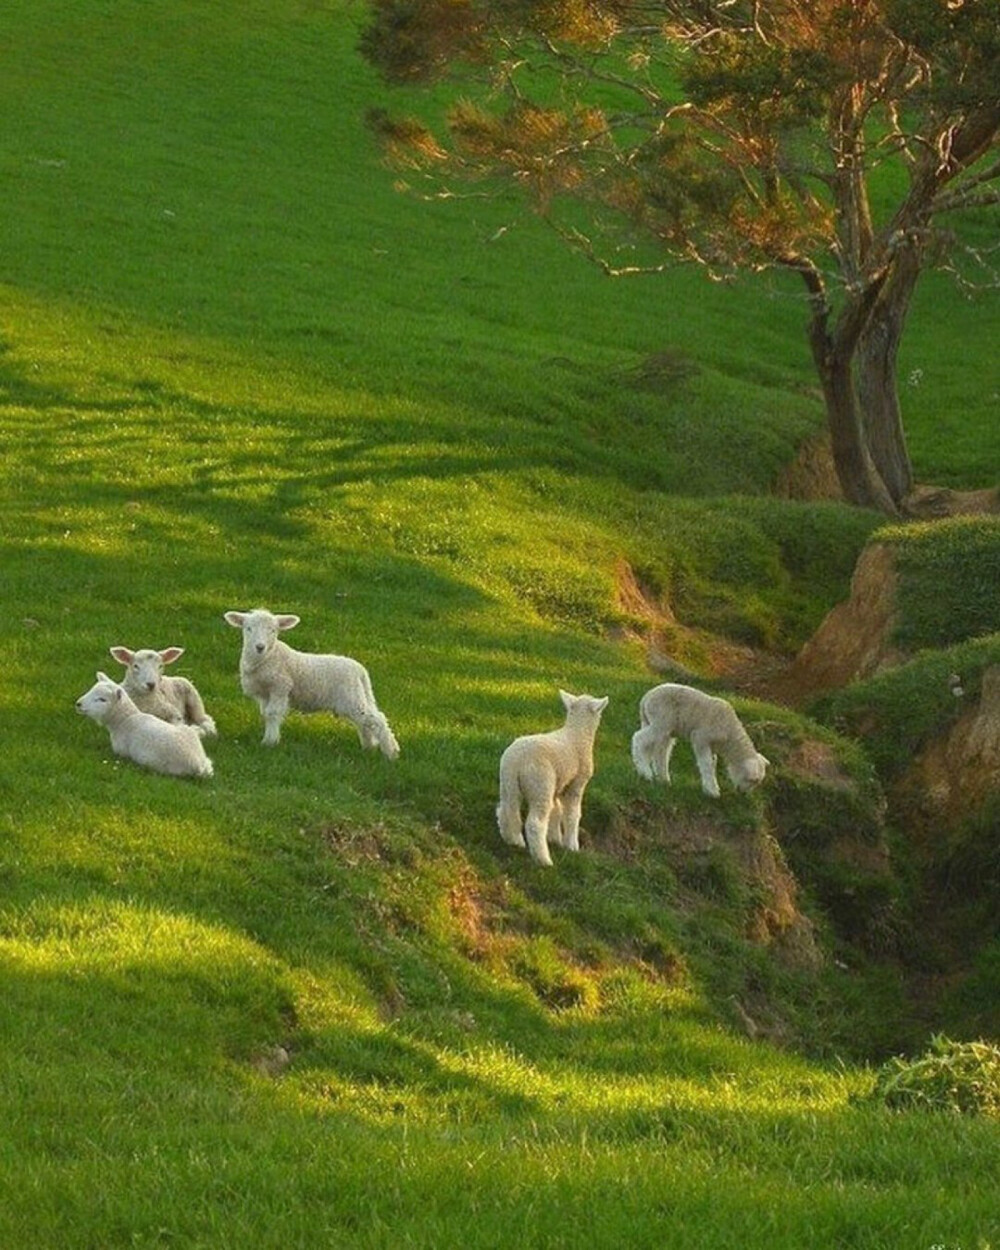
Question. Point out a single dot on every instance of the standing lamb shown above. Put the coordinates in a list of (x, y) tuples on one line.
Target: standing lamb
[(671, 710), (549, 772), (142, 737), (172, 699), (279, 677)]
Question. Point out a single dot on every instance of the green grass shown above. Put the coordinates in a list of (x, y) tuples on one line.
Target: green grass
[(947, 580), (899, 710), (236, 367)]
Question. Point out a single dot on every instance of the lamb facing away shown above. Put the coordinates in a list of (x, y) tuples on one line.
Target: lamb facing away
[(549, 772), (669, 711), (279, 677), (172, 699), (142, 737)]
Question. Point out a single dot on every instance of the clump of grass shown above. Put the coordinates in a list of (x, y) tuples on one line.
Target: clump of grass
[(956, 1077), (557, 983)]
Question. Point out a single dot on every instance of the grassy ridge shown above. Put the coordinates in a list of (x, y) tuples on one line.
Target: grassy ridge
[(315, 1000)]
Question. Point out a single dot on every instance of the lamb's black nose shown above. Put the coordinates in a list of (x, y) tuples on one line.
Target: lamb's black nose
[(260, 647), (150, 685)]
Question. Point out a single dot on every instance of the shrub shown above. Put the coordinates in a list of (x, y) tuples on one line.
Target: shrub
[(952, 1076)]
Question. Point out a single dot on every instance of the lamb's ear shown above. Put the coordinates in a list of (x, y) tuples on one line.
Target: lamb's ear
[(287, 622), (235, 619), (169, 654), (601, 704), (123, 655), (764, 760), (104, 677), (567, 699)]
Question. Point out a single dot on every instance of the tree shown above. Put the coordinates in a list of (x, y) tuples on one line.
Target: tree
[(831, 138)]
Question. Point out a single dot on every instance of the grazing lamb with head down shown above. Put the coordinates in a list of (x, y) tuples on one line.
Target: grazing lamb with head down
[(549, 772), (172, 699), (279, 677), (670, 711), (142, 737)]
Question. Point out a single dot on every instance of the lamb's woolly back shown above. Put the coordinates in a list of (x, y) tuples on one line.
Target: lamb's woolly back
[(173, 699), (165, 747), (549, 772), (279, 677)]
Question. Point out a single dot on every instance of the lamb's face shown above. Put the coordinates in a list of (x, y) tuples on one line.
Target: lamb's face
[(749, 773), (145, 670), (260, 630), (99, 699)]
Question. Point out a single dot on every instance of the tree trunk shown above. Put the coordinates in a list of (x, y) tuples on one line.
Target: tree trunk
[(857, 472), (876, 380), (833, 355)]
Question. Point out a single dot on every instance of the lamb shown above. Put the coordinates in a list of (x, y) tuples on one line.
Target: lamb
[(172, 699), (279, 677), (140, 736), (549, 772), (711, 724)]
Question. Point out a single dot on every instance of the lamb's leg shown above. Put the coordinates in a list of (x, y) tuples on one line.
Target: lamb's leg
[(366, 733), (666, 750), (705, 757), (274, 710), (373, 728), (535, 833), (572, 804), (555, 833), (509, 812), (509, 824), (641, 753), (195, 714)]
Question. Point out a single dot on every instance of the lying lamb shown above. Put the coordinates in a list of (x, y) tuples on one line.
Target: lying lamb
[(142, 737), (172, 699), (279, 677), (671, 710), (549, 772)]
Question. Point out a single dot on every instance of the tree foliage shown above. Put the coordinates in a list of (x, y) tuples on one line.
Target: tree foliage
[(832, 138)]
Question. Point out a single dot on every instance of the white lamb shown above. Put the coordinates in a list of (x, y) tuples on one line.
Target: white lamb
[(279, 677), (172, 699), (142, 737), (549, 772), (670, 711)]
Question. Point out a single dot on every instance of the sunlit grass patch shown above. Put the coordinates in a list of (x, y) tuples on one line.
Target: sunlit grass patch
[(138, 972)]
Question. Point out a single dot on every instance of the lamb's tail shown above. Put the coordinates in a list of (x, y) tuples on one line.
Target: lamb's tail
[(509, 807)]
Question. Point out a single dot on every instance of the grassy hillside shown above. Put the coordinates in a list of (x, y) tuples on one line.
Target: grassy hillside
[(315, 1000)]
